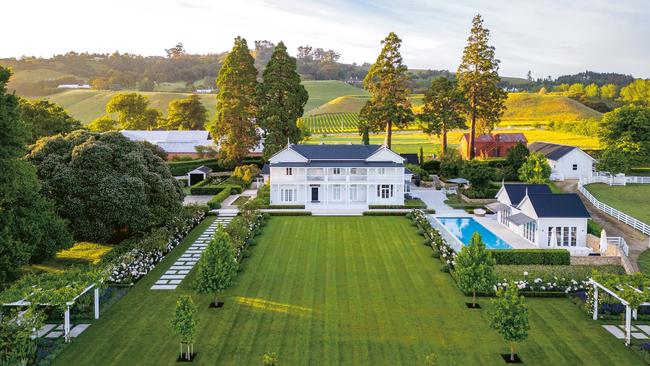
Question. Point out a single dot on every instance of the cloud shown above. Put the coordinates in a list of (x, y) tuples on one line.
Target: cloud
[(548, 37)]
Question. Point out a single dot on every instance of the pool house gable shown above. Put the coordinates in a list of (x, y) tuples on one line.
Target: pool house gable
[(527, 207), (502, 196)]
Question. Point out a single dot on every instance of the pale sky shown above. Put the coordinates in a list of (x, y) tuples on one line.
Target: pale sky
[(545, 36)]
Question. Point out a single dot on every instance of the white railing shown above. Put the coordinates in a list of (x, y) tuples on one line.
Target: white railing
[(615, 180), (619, 242), (611, 211)]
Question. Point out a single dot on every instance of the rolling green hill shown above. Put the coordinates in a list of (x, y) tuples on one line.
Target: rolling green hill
[(324, 91), (529, 106), (87, 105)]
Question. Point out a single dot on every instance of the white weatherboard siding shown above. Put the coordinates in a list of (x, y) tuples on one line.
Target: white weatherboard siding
[(574, 165)]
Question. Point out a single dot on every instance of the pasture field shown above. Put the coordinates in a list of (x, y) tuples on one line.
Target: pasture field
[(631, 199), (410, 141), (323, 91), (337, 291)]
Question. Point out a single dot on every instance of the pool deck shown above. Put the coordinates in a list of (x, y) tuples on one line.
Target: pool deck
[(515, 241)]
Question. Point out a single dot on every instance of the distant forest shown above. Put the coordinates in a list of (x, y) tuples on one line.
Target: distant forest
[(188, 72)]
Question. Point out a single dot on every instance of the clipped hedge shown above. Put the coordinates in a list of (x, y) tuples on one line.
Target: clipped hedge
[(207, 186), (286, 207), (554, 257), (226, 191), (384, 213), (290, 213), (183, 167)]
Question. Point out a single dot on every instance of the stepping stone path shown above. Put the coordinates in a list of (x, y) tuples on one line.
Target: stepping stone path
[(184, 264), (638, 331), (56, 330)]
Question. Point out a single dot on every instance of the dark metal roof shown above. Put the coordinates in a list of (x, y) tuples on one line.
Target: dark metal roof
[(407, 171), (266, 170), (411, 158), (336, 152), (339, 164), (551, 151), (516, 192), (558, 205)]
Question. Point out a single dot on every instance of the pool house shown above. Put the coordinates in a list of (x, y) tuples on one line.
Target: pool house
[(545, 219)]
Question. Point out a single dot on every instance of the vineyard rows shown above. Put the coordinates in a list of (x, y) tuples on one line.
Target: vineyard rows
[(333, 123)]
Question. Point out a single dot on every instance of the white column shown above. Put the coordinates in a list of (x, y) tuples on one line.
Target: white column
[(628, 325), (595, 303), (66, 324), (96, 303)]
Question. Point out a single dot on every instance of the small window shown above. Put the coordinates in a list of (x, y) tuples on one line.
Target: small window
[(289, 171), (575, 166), (336, 171), (381, 171)]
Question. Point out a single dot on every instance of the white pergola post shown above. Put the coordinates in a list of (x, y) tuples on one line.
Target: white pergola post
[(628, 325), (595, 317), (634, 313), (96, 303), (66, 324)]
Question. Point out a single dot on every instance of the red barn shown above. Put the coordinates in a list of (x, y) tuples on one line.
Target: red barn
[(491, 145)]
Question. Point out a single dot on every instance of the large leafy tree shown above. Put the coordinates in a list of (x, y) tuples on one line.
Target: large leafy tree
[(478, 77), (217, 267), (628, 129), (387, 82), (235, 125), (29, 228), (184, 324), (133, 112), (475, 268), (46, 118), (281, 99), (185, 114), (443, 109), (103, 124), (106, 184), (510, 316), (535, 169)]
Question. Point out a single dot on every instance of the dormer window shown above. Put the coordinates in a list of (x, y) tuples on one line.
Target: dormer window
[(289, 171)]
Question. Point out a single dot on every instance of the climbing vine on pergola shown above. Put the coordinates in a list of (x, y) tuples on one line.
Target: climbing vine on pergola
[(631, 290), (59, 290)]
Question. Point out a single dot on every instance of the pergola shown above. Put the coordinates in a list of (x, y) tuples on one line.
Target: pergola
[(60, 289), (629, 311)]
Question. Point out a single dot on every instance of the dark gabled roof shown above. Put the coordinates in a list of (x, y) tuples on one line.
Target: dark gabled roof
[(266, 170), (411, 158), (203, 169), (511, 137), (516, 192), (551, 151), (558, 205), (336, 152), (407, 171)]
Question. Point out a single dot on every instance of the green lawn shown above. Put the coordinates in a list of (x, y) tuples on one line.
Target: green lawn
[(338, 291), (644, 262), (631, 199)]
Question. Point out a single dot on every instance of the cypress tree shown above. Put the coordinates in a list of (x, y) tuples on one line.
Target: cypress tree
[(29, 228), (387, 81), (235, 126), (477, 79), (281, 100)]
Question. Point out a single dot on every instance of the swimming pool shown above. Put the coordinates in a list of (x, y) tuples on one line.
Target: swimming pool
[(464, 227)]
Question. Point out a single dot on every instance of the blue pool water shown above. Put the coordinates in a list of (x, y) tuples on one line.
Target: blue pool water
[(464, 227)]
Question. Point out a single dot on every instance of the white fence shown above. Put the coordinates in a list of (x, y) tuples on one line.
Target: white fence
[(615, 180), (619, 242), (611, 211)]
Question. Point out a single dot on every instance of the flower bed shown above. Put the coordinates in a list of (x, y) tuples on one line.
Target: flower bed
[(434, 239), (135, 263)]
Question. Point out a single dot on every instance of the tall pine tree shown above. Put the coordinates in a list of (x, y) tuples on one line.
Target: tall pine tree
[(477, 78), (387, 82), (443, 109), (29, 228), (281, 100), (235, 125)]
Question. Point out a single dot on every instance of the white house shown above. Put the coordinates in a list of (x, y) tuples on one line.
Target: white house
[(567, 162), (545, 219), (337, 176)]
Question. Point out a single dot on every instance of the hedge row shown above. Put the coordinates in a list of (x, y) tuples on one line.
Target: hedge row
[(552, 257), (384, 213), (183, 167), (286, 207), (226, 191), (207, 187), (290, 213)]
